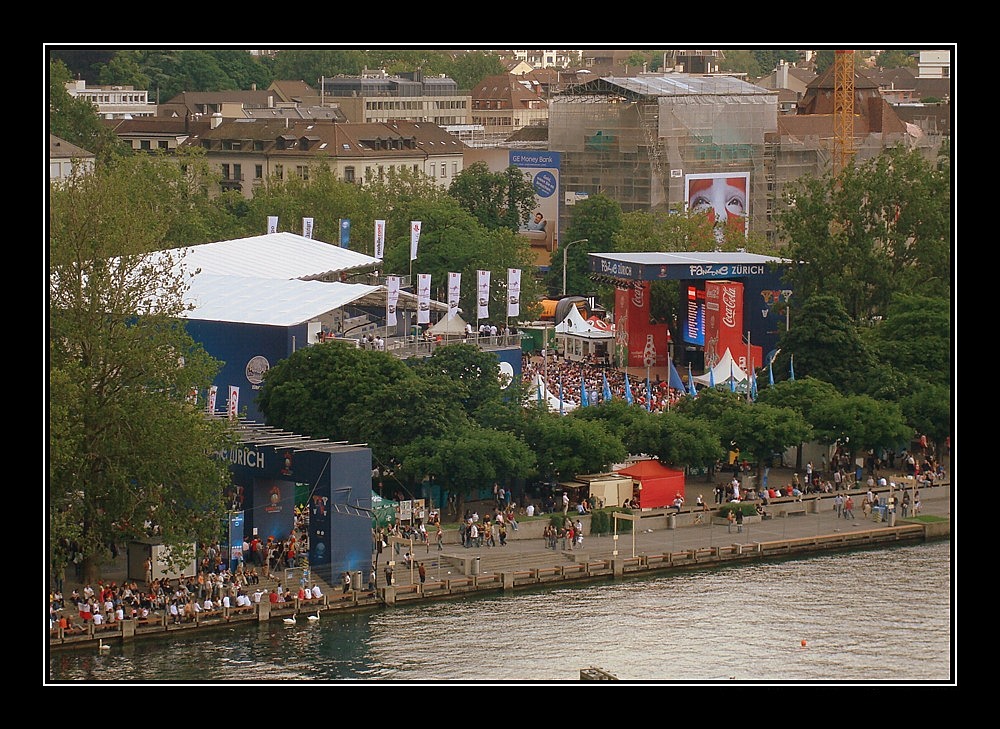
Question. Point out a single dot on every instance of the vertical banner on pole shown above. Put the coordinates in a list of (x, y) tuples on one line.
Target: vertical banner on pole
[(454, 293), (414, 238), (391, 298), (272, 224), (213, 393), (234, 402), (379, 239), (513, 292), (235, 540), (423, 298), (345, 232), (483, 295), (307, 227)]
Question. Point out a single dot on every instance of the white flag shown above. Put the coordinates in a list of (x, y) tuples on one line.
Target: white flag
[(513, 292), (392, 298), (307, 227), (213, 391), (234, 402), (272, 224), (454, 293), (414, 238), (483, 295), (379, 239), (423, 298)]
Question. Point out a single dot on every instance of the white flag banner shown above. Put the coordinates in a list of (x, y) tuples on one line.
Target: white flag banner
[(307, 227), (272, 224), (414, 238), (513, 292), (379, 239), (213, 392), (423, 298), (234, 402), (454, 293), (391, 299), (483, 295)]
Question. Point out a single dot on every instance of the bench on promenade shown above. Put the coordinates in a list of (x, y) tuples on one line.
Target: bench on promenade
[(792, 511)]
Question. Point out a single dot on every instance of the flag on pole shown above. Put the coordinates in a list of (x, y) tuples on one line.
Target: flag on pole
[(753, 385), (692, 390), (607, 388), (513, 292), (539, 389), (272, 224), (391, 299), (379, 239), (711, 377), (791, 368), (770, 375), (307, 227), (584, 400), (423, 298), (234, 402), (732, 378), (628, 391), (414, 238), (560, 394), (483, 294), (213, 392), (649, 394), (345, 232)]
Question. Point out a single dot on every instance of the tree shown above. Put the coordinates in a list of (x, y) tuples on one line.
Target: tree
[(468, 69), (76, 120), (760, 430), (130, 454), (826, 345), (883, 227), (866, 424), (566, 445), (598, 219), (928, 411), (915, 337), (496, 199)]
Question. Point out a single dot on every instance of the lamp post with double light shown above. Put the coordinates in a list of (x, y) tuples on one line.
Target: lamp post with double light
[(565, 251)]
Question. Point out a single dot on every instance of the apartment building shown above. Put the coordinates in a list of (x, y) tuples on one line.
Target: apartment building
[(113, 102), (250, 152), (377, 97), (503, 104), (66, 159)]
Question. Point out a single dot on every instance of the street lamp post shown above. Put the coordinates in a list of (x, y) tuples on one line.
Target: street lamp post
[(565, 251)]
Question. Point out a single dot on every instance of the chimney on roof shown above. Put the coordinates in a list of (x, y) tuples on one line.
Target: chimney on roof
[(216, 119)]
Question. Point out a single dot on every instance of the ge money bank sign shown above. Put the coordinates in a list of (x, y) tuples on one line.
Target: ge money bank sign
[(541, 169)]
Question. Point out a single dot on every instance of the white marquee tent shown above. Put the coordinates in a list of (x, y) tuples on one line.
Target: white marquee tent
[(722, 372)]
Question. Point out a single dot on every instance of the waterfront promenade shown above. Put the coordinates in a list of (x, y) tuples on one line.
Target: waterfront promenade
[(810, 523)]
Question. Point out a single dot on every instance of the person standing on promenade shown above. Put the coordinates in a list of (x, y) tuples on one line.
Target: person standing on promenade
[(565, 503), (849, 507), (440, 538), (838, 504), (739, 520), (422, 571), (347, 582)]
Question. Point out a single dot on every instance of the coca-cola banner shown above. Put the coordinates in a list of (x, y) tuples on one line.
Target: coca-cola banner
[(637, 341), (724, 328)]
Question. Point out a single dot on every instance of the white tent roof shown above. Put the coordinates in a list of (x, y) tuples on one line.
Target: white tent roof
[(280, 302), (448, 325), (721, 371), (574, 324), (274, 255)]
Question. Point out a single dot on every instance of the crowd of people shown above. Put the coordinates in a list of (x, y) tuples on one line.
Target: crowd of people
[(557, 371)]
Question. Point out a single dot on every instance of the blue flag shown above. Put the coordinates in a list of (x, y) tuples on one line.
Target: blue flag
[(649, 394), (539, 390), (753, 385), (711, 377), (791, 368), (732, 378), (584, 400), (628, 390), (607, 389), (770, 375), (345, 232), (560, 394), (692, 390)]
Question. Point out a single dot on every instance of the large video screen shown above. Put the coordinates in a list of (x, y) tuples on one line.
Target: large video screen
[(693, 315)]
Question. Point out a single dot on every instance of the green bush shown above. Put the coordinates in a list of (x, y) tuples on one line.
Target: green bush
[(746, 507), (600, 522)]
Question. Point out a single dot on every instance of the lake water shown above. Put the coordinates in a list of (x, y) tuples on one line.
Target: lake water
[(882, 615)]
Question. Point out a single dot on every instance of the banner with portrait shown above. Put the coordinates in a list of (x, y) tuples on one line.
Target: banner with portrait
[(454, 293), (725, 196), (391, 299), (513, 292), (423, 298), (483, 294)]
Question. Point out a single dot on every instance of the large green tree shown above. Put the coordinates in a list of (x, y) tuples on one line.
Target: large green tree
[(130, 453), (496, 199)]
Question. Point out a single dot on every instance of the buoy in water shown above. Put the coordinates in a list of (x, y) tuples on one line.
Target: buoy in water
[(803, 644)]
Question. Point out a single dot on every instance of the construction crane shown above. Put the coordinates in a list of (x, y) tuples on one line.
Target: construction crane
[(843, 110)]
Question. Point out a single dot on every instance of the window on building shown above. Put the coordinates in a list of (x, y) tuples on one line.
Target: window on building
[(225, 172), (163, 144), (348, 174), (454, 169), (279, 171), (433, 170), (144, 144), (237, 172), (258, 171), (302, 171)]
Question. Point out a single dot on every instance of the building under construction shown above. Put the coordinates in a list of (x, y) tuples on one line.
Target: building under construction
[(641, 140)]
